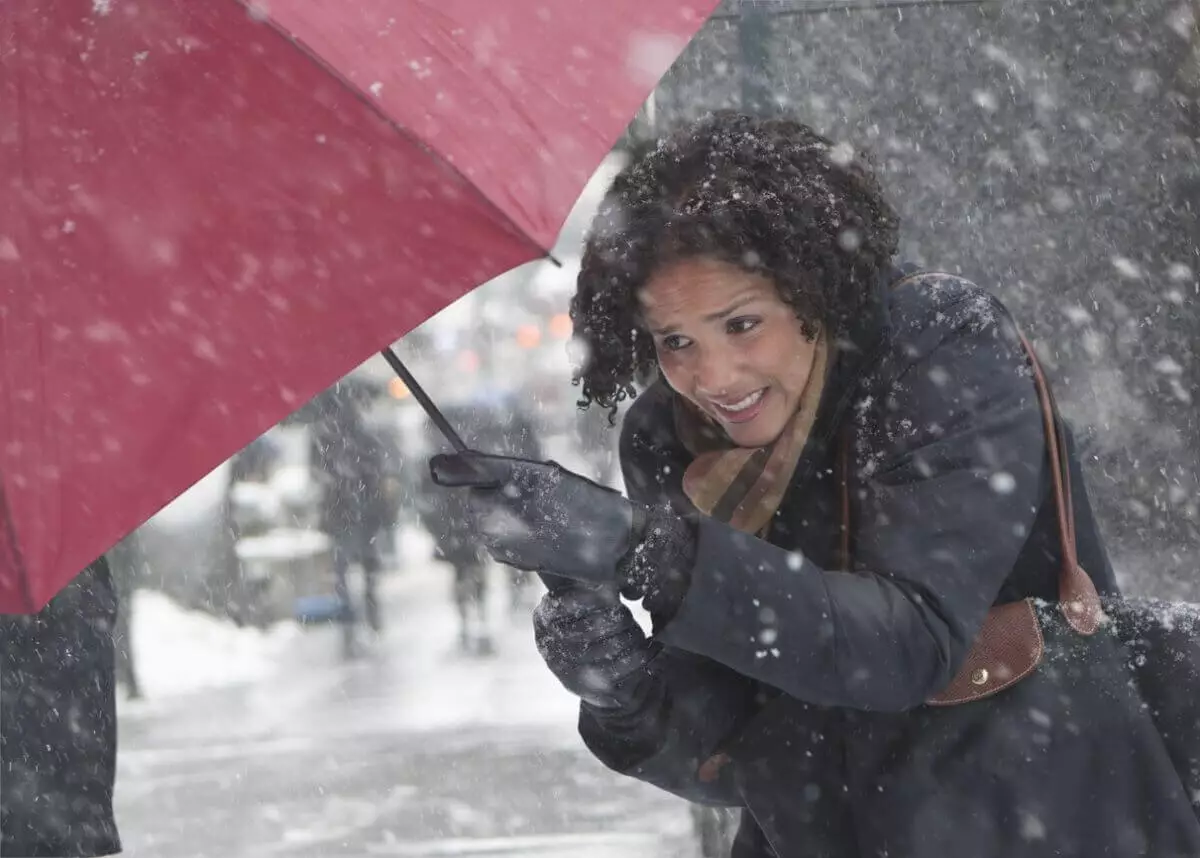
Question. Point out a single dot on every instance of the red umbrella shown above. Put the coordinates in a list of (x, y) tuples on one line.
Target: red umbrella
[(211, 211)]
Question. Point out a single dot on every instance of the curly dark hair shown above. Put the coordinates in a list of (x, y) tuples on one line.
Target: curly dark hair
[(771, 196)]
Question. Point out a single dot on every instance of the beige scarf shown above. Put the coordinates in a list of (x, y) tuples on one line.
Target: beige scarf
[(743, 486)]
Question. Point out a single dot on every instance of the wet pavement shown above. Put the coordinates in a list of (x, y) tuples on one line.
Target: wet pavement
[(413, 749)]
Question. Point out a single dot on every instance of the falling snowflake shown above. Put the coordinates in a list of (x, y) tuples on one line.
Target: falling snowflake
[(985, 100), (1078, 315), (1002, 483), (204, 349), (421, 68), (8, 250), (105, 331), (650, 55), (1180, 272), (1168, 366), (1126, 267), (842, 154)]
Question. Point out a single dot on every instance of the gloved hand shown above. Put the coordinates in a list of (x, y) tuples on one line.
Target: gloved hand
[(592, 643), (540, 516)]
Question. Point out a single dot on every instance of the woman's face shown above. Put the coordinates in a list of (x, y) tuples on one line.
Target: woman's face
[(728, 343)]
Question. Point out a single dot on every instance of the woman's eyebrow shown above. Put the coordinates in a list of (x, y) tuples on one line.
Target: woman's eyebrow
[(737, 304)]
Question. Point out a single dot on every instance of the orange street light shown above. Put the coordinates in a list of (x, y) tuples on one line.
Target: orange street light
[(528, 336), (398, 389), (561, 327)]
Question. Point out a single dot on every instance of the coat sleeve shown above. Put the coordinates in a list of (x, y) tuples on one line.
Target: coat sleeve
[(692, 704), (944, 508)]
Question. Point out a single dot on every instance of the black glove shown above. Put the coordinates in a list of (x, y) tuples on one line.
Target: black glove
[(538, 515), (591, 642)]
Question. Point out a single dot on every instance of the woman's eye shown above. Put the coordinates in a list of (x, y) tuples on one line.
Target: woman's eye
[(675, 342), (741, 325)]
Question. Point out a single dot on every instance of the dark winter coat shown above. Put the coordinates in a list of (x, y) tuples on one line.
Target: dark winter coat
[(58, 723), (813, 680)]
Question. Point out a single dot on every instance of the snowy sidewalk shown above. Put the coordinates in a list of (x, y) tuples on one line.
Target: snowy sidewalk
[(270, 744), (413, 678)]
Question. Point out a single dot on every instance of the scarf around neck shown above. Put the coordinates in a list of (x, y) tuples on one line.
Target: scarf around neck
[(743, 486)]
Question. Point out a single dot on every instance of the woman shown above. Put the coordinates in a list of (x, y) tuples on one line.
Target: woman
[(749, 262)]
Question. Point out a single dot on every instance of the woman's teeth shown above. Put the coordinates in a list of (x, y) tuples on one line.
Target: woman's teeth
[(744, 403)]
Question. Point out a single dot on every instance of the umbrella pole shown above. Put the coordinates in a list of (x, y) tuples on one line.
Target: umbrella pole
[(422, 397)]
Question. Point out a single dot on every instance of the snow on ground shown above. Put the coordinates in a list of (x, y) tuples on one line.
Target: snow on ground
[(414, 678), (178, 651)]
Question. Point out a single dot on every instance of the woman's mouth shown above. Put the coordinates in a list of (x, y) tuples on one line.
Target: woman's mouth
[(742, 410)]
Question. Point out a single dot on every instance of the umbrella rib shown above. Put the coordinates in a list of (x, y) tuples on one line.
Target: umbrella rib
[(10, 527), (405, 132), (18, 559)]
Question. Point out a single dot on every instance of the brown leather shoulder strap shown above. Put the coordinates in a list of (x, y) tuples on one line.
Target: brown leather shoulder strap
[(1078, 599), (1077, 595)]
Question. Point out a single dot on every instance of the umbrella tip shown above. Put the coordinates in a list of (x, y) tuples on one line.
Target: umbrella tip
[(554, 260)]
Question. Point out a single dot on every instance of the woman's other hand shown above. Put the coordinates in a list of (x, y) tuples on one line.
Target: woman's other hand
[(593, 645)]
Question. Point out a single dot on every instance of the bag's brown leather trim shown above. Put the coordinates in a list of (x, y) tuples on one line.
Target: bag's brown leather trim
[(1077, 596), (1009, 648), (710, 769)]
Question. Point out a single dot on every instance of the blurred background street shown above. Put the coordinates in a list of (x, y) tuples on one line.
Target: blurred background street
[(250, 743)]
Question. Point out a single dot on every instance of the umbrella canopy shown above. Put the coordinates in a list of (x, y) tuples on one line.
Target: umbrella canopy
[(211, 211)]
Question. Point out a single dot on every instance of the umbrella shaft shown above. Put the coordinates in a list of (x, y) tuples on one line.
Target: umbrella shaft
[(422, 397)]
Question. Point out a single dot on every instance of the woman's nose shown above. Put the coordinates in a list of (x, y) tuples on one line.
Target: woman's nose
[(715, 373)]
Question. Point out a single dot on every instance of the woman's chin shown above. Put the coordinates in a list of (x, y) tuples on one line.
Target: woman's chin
[(759, 432)]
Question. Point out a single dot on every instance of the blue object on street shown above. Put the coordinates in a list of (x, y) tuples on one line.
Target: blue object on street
[(311, 610)]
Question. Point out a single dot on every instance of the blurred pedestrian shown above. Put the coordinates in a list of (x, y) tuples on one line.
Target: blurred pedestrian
[(391, 488), (58, 738), (349, 461), (443, 515), (495, 423)]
